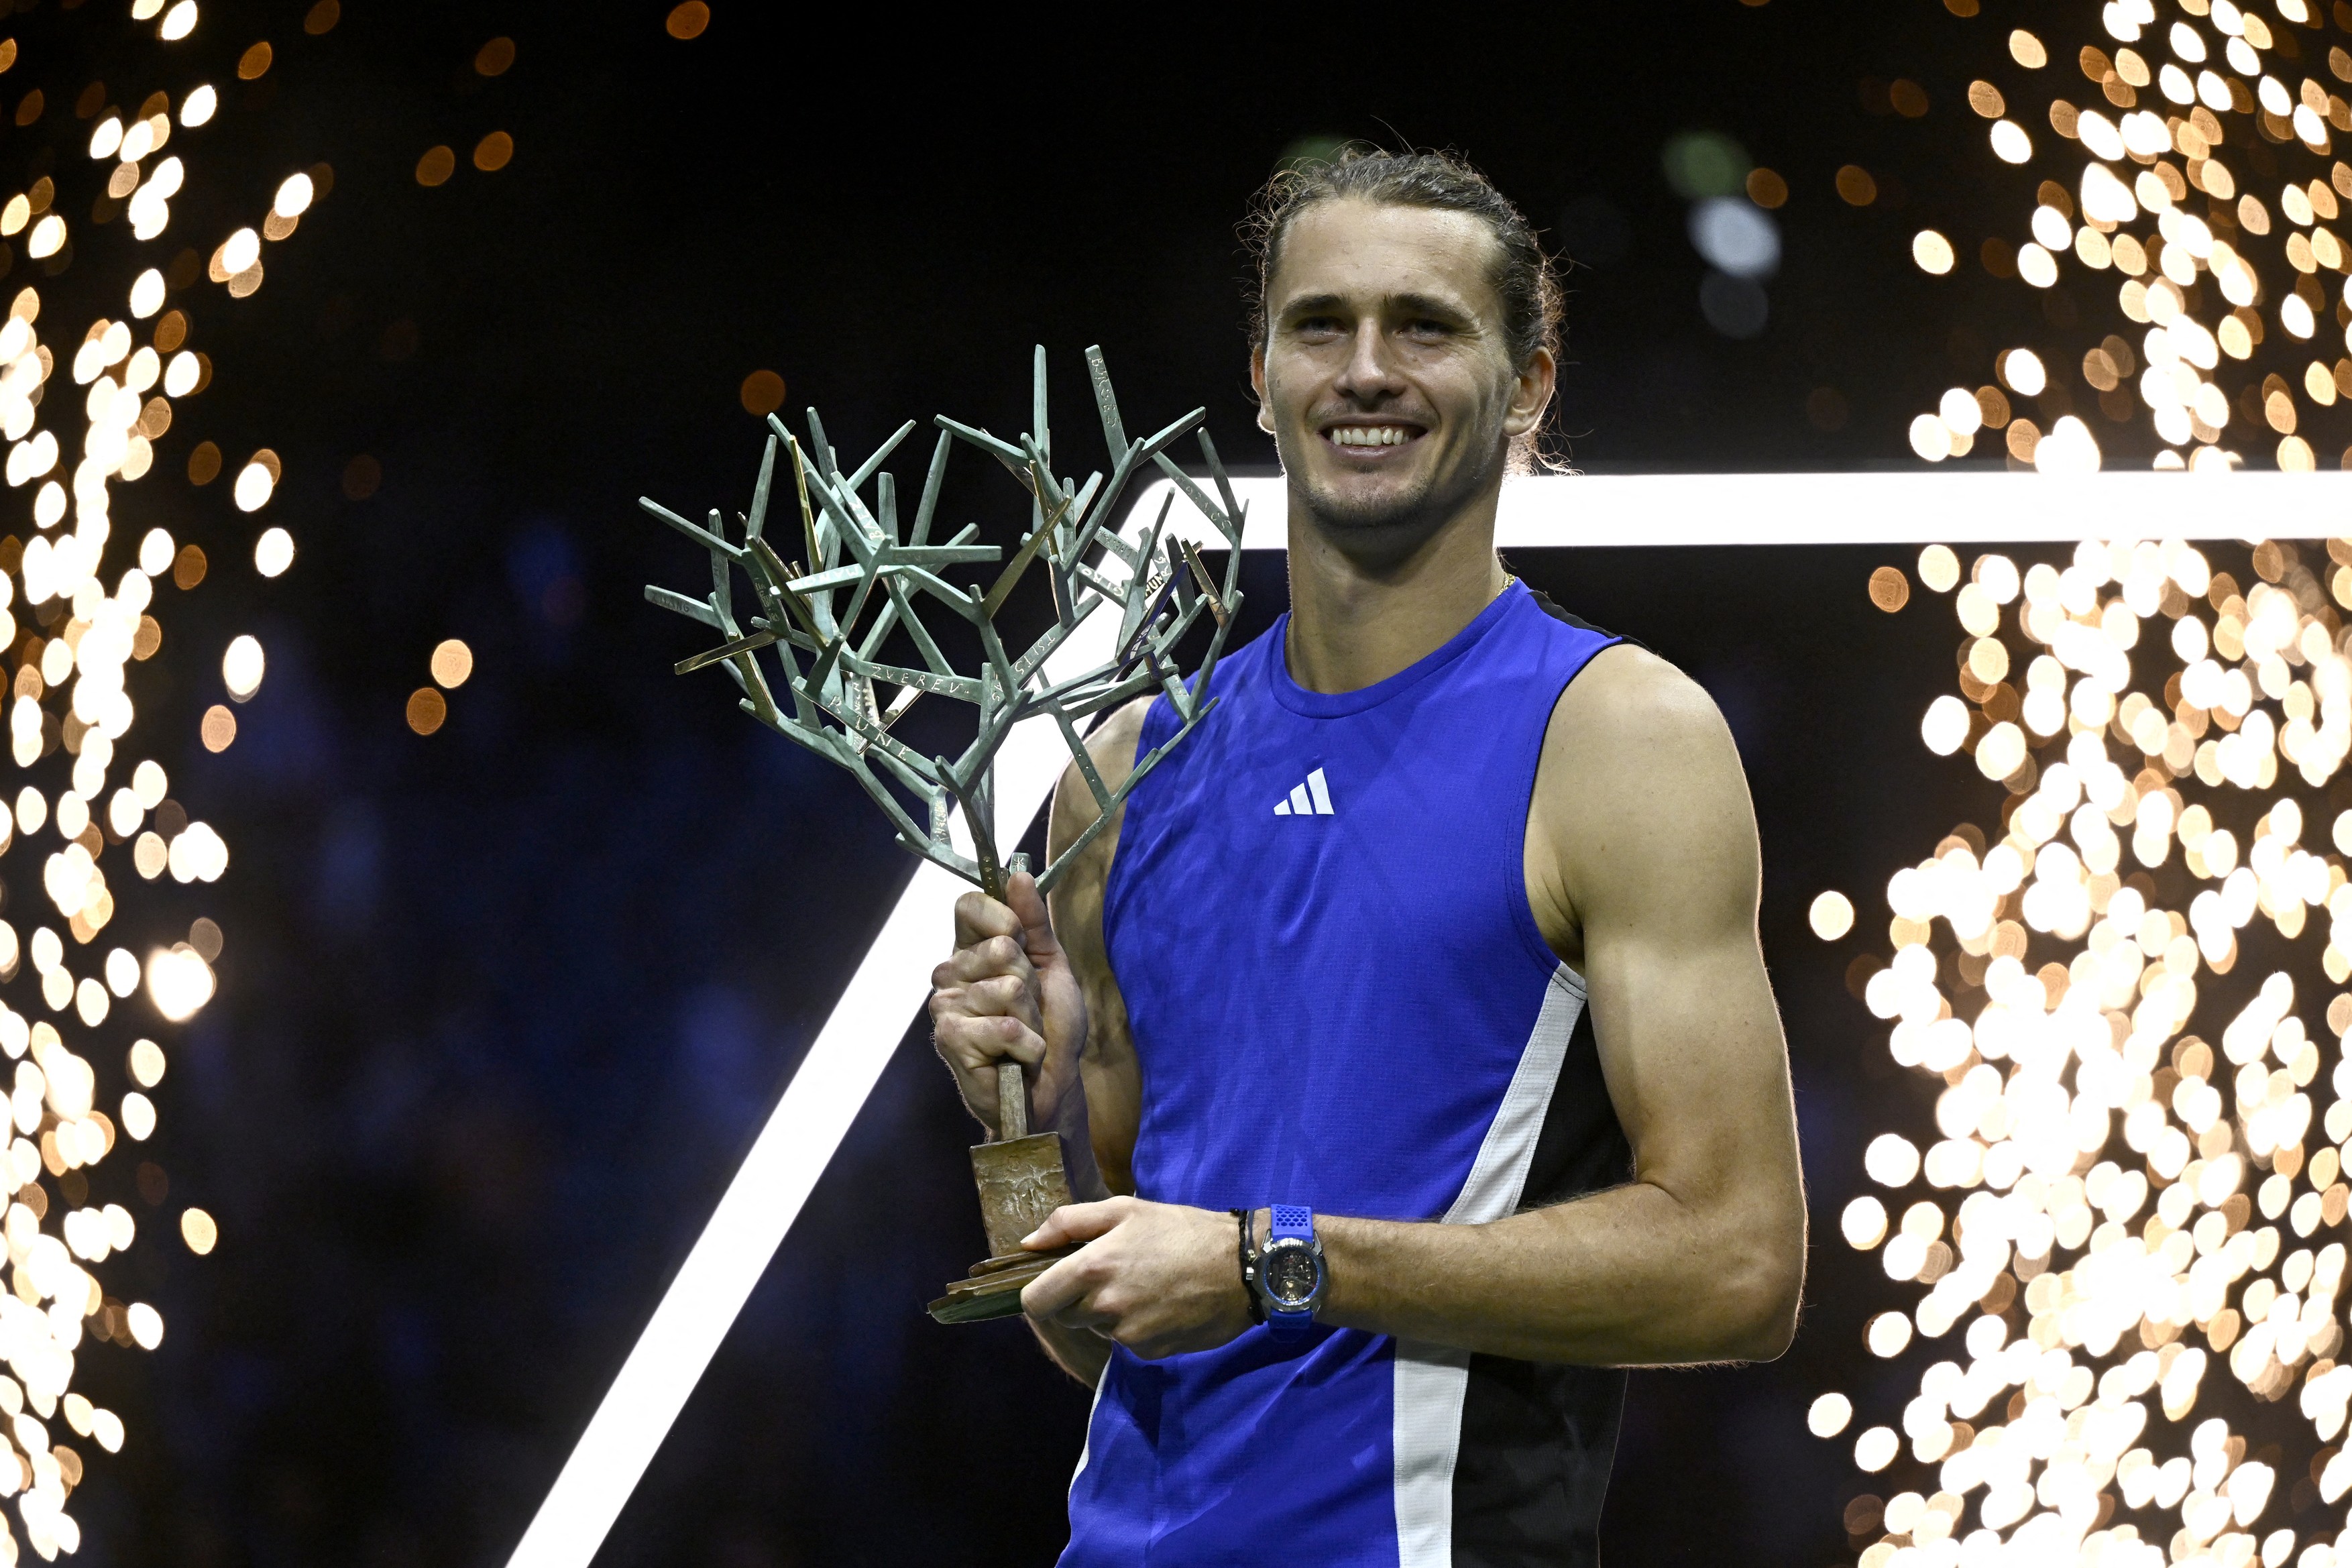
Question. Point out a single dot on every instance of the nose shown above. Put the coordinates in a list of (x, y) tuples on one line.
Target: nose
[(1370, 375)]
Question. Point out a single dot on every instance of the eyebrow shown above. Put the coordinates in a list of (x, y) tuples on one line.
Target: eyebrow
[(1409, 304)]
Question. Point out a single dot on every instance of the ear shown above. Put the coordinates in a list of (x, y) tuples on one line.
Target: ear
[(1531, 394), (1257, 385)]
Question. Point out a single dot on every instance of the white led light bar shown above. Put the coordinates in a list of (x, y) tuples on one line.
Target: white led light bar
[(888, 988)]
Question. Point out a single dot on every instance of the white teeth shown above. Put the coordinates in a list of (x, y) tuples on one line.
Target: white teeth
[(1369, 436)]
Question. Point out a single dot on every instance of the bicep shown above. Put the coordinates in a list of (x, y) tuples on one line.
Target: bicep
[(1112, 1078), (1664, 870)]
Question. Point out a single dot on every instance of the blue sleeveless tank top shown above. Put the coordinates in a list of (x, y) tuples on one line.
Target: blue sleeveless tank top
[(1318, 916)]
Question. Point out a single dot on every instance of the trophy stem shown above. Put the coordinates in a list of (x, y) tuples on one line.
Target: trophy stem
[(1012, 1091), (1021, 1180), (1011, 1103)]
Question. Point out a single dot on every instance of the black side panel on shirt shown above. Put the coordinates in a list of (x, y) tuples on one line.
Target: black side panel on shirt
[(1545, 603), (1538, 1439)]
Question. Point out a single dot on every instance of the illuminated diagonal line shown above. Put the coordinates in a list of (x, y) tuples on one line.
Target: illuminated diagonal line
[(890, 985)]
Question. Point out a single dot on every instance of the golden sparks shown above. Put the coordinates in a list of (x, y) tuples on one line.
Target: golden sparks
[(83, 405), (2112, 1211), (2207, 133)]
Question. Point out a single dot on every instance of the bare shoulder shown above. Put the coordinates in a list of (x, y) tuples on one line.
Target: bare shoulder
[(1629, 702), (1631, 726), (1640, 796)]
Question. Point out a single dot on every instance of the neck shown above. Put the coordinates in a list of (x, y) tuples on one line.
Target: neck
[(1364, 607)]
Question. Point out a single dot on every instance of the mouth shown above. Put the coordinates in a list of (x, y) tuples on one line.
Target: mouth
[(1373, 439)]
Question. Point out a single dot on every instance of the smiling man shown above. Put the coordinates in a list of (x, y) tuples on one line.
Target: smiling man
[(1411, 1031)]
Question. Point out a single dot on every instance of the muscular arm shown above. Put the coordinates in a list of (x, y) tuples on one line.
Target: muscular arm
[(1642, 870), (1642, 866), (1113, 1084), (1113, 1088)]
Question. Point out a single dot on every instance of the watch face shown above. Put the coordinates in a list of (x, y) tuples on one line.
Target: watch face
[(1291, 1275)]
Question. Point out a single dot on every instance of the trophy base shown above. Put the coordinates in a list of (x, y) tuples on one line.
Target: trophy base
[(993, 1287)]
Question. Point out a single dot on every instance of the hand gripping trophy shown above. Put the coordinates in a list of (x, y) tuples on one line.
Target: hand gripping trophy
[(831, 613)]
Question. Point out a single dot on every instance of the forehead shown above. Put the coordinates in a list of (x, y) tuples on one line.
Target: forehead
[(1363, 251)]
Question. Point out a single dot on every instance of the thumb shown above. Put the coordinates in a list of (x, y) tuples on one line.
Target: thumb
[(1028, 906), (1074, 1223)]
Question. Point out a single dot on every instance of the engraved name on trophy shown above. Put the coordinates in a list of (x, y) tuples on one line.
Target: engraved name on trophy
[(856, 588)]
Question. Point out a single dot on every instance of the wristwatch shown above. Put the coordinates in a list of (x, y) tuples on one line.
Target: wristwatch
[(1288, 1275)]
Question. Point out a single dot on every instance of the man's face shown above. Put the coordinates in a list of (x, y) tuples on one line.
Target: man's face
[(1387, 376)]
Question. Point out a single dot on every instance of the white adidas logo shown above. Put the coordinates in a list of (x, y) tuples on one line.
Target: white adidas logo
[(1312, 798)]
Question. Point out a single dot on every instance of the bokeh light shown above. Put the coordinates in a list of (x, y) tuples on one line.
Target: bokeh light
[(242, 666), (761, 394), (1832, 915), (427, 709), (452, 662), (218, 728), (273, 553), (362, 477)]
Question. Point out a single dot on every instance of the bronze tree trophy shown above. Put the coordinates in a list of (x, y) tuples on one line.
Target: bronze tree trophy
[(853, 591)]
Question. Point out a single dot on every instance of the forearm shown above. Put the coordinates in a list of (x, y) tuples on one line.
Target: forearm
[(1634, 1276), (1106, 1131)]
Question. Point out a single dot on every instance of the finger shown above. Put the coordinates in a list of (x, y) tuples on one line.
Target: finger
[(979, 917), (992, 956), (985, 1033), (975, 1044), (1077, 1222), (993, 962), (1004, 997), (1027, 905), (1059, 1293)]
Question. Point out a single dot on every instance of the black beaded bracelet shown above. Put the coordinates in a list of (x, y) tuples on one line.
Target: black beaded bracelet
[(1249, 1267)]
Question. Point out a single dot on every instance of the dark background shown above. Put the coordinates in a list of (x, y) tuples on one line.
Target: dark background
[(501, 1008)]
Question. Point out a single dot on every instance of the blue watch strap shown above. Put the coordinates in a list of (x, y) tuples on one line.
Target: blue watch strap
[(1292, 1223)]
